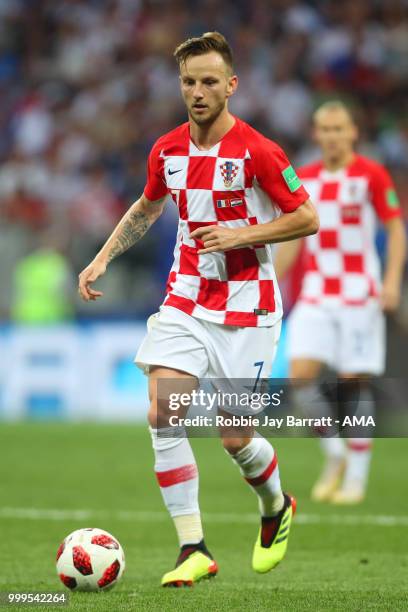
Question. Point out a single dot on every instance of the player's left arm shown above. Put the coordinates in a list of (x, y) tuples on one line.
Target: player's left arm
[(301, 222), (394, 264), (279, 181), (386, 204)]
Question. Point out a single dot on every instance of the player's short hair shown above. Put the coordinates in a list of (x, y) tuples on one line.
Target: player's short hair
[(200, 45), (334, 105)]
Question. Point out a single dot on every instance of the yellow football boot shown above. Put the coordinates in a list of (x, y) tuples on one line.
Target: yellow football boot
[(272, 541), (195, 567), (329, 480), (352, 494)]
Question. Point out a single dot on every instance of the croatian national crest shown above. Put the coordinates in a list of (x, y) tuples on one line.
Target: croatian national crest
[(228, 172)]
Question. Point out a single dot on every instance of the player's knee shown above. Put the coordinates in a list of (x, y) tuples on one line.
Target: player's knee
[(152, 415), (158, 415), (303, 371), (234, 445)]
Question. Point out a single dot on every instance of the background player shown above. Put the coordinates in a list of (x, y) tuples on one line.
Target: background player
[(221, 316), (338, 320)]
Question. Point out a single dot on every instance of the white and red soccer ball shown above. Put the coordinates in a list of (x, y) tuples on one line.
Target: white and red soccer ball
[(90, 560)]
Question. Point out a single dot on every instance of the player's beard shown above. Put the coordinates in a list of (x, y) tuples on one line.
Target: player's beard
[(336, 156), (210, 117)]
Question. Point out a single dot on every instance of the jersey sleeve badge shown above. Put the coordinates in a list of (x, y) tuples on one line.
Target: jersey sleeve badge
[(291, 179), (392, 198)]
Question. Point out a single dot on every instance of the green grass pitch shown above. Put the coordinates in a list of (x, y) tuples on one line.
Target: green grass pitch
[(338, 558)]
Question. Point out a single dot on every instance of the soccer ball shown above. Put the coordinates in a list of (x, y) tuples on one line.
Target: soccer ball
[(90, 560)]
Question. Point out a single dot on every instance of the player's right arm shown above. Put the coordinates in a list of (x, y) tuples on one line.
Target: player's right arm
[(131, 228), (386, 203)]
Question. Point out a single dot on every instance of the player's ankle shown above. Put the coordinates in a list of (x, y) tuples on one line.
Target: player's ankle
[(271, 507), (188, 549), (189, 528), (198, 545)]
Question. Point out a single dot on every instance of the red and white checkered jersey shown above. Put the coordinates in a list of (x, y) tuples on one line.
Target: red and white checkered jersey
[(245, 179), (341, 261)]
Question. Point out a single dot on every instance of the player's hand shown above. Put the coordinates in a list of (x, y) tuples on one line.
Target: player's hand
[(216, 238), (88, 276), (390, 297)]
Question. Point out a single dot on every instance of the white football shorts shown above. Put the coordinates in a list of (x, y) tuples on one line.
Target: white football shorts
[(207, 350), (349, 339), (237, 356)]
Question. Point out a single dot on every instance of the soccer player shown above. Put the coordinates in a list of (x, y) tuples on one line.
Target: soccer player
[(236, 193), (338, 320)]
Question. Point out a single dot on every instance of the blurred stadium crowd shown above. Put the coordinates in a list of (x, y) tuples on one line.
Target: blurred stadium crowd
[(86, 86)]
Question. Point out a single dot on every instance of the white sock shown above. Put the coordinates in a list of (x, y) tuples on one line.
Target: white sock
[(358, 462), (177, 475), (333, 448), (189, 528), (259, 466), (360, 449)]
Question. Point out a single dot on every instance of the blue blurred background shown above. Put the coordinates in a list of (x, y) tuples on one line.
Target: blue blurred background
[(86, 86)]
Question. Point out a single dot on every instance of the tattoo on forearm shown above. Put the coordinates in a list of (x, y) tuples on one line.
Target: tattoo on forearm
[(133, 229)]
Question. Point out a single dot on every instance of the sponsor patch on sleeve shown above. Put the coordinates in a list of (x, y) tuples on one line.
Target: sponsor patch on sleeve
[(291, 179), (392, 198)]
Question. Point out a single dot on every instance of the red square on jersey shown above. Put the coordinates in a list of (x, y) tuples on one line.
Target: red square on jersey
[(353, 263), (170, 281), (193, 225), (200, 173), (328, 239), (213, 294), (331, 286), (180, 302), (241, 318), (249, 173), (311, 263), (267, 295), (330, 191), (351, 214), (230, 205), (242, 264), (180, 199), (188, 260)]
